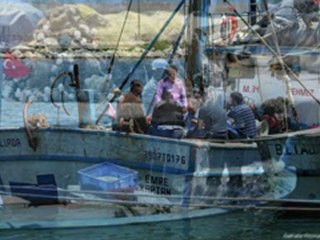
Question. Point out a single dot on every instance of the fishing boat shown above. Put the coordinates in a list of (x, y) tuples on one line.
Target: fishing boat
[(272, 41), (89, 163)]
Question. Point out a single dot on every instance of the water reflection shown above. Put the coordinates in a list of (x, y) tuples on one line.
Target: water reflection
[(237, 225)]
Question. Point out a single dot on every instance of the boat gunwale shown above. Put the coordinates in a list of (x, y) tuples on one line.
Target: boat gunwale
[(239, 143), (216, 143)]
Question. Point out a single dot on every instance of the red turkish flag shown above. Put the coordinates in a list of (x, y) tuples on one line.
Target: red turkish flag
[(14, 68)]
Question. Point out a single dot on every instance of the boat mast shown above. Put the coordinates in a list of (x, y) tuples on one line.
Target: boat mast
[(253, 12), (1, 76), (198, 32)]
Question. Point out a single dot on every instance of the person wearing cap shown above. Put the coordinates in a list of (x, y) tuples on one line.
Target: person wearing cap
[(130, 111), (175, 86), (158, 67), (242, 116)]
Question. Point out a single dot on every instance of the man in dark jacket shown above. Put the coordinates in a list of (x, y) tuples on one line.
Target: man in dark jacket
[(167, 118)]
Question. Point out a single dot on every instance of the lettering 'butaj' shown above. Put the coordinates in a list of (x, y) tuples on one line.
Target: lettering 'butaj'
[(297, 149)]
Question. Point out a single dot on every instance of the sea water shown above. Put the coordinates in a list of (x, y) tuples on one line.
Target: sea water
[(248, 224), (252, 225)]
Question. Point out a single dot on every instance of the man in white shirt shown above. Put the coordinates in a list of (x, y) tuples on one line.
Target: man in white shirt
[(149, 91)]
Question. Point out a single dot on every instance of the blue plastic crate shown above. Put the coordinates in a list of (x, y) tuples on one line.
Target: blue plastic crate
[(108, 177)]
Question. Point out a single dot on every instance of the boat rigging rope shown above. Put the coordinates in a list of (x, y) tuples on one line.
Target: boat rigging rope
[(259, 82), (6, 189), (124, 82), (139, 19), (112, 61), (142, 57), (178, 41), (117, 47), (69, 74), (286, 77), (232, 8)]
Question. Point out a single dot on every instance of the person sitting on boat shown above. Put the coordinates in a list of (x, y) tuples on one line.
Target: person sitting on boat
[(243, 119), (167, 118), (286, 117), (172, 84), (212, 120), (158, 66), (130, 111), (269, 108), (194, 103)]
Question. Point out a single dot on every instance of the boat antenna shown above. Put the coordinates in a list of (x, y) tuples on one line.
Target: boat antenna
[(198, 35), (109, 71), (287, 68), (147, 49), (253, 12)]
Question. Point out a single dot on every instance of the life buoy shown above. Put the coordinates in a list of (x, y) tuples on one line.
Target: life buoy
[(228, 27), (233, 27)]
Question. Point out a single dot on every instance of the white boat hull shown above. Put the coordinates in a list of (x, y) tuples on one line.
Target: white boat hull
[(165, 165), (301, 151)]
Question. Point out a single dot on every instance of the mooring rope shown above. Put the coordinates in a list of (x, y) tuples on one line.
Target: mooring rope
[(31, 139), (126, 198)]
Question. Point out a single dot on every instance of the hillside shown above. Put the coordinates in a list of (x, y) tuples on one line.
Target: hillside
[(82, 27)]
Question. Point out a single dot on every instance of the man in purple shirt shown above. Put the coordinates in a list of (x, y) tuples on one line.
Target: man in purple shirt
[(175, 86)]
